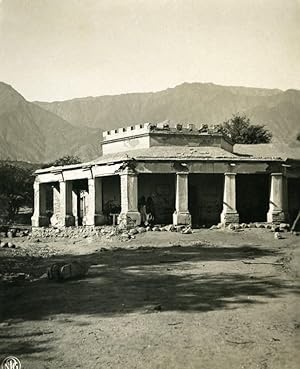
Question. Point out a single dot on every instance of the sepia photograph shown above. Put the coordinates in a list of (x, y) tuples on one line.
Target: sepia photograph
[(149, 184)]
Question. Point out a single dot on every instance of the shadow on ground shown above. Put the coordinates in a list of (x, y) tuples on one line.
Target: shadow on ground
[(145, 280)]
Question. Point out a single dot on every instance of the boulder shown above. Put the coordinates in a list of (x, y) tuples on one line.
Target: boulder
[(275, 228), (277, 236), (284, 226), (62, 272), (133, 231), (187, 230), (170, 228)]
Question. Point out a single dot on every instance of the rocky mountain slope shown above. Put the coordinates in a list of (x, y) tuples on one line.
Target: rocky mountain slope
[(31, 133), (189, 102), (42, 131)]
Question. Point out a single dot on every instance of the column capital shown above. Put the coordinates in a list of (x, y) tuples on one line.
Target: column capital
[(277, 174), (182, 173), (128, 171)]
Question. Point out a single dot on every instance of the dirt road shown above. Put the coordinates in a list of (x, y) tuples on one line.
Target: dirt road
[(211, 299)]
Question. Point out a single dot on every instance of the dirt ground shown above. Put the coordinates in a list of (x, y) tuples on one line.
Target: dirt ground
[(212, 299)]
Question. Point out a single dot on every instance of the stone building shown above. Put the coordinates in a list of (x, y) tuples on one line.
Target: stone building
[(192, 176)]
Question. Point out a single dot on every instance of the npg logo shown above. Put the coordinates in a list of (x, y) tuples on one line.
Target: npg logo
[(11, 362)]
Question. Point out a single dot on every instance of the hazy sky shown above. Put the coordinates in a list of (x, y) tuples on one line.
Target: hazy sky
[(59, 49)]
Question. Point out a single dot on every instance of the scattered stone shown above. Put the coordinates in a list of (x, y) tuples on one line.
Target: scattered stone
[(214, 227), (3, 244), (156, 229), (277, 236), (133, 231), (179, 228), (125, 236), (275, 228), (148, 229), (231, 227), (11, 233), (284, 226), (141, 230), (11, 245), (170, 228), (187, 230)]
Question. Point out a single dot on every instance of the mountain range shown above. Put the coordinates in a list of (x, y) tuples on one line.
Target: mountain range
[(43, 131)]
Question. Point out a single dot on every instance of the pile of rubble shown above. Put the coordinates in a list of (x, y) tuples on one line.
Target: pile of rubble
[(104, 231), (67, 232), (282, 227), (131, 233)]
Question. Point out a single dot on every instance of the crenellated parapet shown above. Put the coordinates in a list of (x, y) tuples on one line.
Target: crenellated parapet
[(164, 133), (166, 126), (129, 131)]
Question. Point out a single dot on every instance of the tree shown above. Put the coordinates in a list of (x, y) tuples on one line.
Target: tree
[(16, 189), (65, 160), (240, 130)]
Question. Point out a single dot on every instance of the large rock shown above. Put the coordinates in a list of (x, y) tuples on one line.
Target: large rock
[(62, 272)]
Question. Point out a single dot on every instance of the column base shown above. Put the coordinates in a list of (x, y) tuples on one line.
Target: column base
[(182, 218), (97, 219), (130, 219), (230, 217), (278, 216), (39, 221)]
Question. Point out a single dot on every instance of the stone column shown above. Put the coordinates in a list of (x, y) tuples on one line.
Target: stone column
[(66, 207), (39, 218), (182, 214), (94, 205), (229, 213), (130, 216), (278, 199), (55, 219), (75, 199)]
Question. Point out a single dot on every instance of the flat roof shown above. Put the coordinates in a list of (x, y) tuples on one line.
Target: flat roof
[(243, 153)]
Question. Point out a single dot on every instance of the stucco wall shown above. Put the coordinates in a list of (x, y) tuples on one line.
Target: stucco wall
[(130, 143)]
